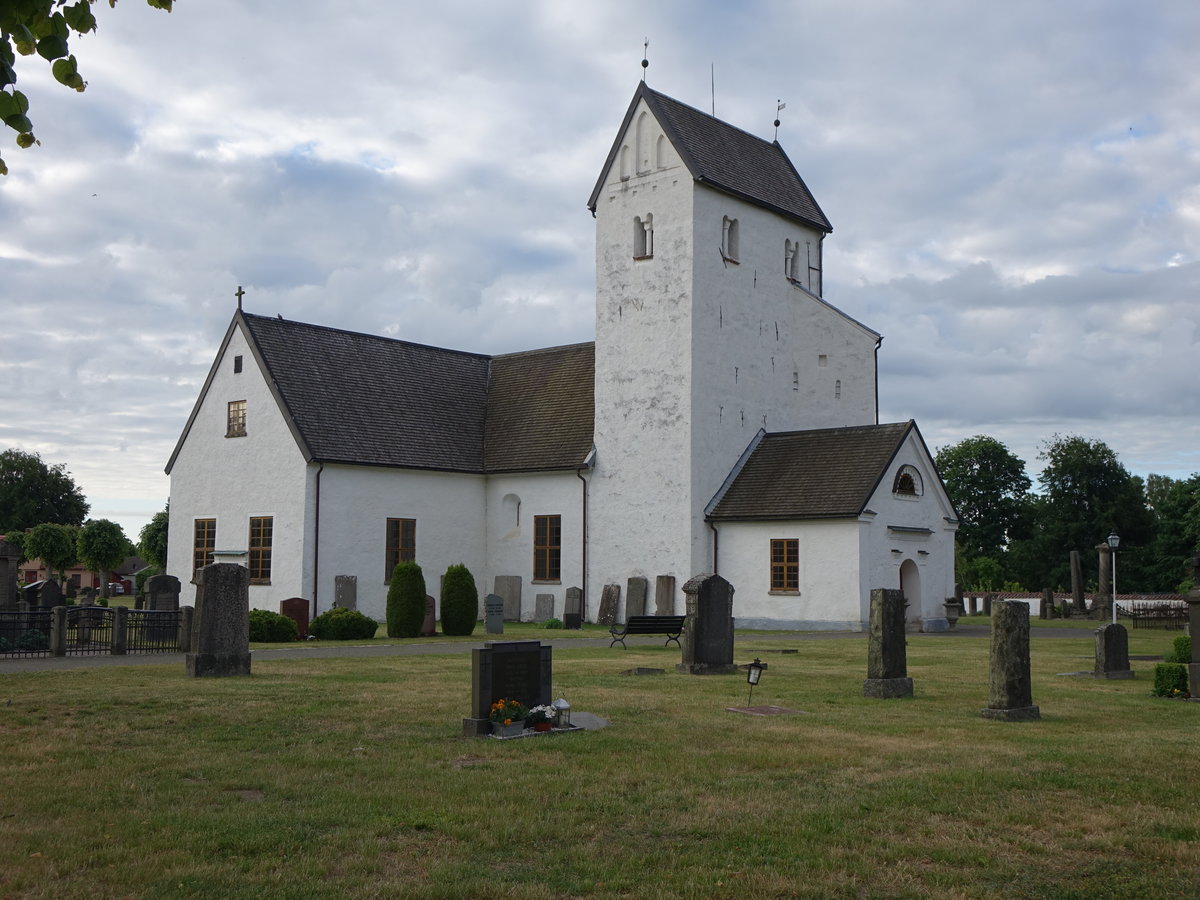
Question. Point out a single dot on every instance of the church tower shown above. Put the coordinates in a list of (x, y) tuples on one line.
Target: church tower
[(710, 329)]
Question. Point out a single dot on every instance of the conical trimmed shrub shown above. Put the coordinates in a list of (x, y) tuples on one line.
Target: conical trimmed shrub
[(460, 601), (406, 601)]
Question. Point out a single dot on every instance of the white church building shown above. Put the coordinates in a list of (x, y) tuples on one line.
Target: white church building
[(724, 420)]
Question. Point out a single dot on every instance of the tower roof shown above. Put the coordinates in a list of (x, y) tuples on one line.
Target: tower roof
[(725, 158)]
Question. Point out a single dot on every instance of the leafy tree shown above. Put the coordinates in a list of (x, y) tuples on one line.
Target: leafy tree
[(102, 546), (152, 539), (990, 492), (406, 601), (1176, 508), (17, 539), (43, 27), (55, 545), (32, 492)]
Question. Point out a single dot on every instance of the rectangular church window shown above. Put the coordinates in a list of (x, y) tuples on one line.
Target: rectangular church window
[(401, 544), (547, 548), (785, 564)]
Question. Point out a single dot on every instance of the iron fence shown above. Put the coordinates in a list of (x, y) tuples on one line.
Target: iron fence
[(89, 630), (152, 631), (25, 633)]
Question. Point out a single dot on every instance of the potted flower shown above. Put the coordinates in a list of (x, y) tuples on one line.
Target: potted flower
[(541, 718), (508, 717)]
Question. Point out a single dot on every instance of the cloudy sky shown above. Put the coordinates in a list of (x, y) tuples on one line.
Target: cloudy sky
[(1014, 190)]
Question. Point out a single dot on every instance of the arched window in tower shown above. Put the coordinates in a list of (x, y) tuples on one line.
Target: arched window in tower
[(642, 134), (789, 254), (660, 152), (643, 236), (729, 239), (625, 172), (908, 483), (837, 389)]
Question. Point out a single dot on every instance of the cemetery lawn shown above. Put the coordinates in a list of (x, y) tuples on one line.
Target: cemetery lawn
[(319, 778)]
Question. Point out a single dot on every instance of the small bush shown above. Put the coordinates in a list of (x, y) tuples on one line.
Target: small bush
[(1170, 680), (460, 601), (341, 624), (1181, 651), (553, 623), (406, 601), (267, 627)]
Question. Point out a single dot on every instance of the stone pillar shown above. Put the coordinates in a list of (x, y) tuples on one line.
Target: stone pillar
[(987, 603), (887, 659), (1102, 605), (636, 589), (1112, 652), (573, 608), (1010, 691), (120, 630), (1077, 599), (664, 595), (58, 631), (222, 633), (974, 605), (707, 640), (187, 619), (610, 603)]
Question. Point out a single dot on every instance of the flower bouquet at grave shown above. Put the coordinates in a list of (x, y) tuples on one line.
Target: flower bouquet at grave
[(506, 712), (540, 718)]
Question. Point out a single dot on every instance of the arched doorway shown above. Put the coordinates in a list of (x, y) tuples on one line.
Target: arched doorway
[(910, 584)]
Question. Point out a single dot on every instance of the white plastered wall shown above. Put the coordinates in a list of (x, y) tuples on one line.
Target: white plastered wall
[(232, 479)]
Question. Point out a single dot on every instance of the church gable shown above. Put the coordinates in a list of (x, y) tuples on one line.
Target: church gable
[(656, 128)]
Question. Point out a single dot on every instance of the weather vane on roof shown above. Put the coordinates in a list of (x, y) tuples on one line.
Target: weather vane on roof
[(645, 57), (780, 106)]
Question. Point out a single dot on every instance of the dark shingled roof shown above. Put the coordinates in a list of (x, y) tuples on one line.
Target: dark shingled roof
[(365, 400), (725, 158), (541, 409), (820, 474)]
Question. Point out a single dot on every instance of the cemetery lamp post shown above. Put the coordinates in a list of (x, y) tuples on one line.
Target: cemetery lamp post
[(753, 673), (1114, 541)]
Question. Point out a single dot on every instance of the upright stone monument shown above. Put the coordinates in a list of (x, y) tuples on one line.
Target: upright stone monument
[(1077, 598), (1010, 690), (573, 608), (507, 670), (221, 641), (345, 591), (543, 607), (509, 587), (610, 604), (987, 603), (1046, 609), (162, 593), (429, 623), (664, 595), (887, 655), (493, 614), (1112, 652), (708, 630), (1102, 604), (10, 556), (636, 589), (296, 609)]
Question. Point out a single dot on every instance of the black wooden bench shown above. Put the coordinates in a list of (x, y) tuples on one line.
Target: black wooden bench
[(671, 626)]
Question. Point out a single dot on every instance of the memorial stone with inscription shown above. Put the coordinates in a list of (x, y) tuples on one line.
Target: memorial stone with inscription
[(573, 608), (1112, 652), (345, 591), (509, 587), (1010, 689), (707, 639), (610, 604), (636, 589), (493, 614), (887, 655), (221, 642), (664, 595), (543, 607), (512, 670)]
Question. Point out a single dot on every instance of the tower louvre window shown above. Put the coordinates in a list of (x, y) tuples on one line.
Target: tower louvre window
[(729, 239), (643, 236)]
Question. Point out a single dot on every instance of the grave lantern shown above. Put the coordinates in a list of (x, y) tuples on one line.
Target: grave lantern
[(753, 674), (562, 713)]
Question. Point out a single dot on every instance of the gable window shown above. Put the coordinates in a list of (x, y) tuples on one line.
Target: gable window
[(643, 237), (401, 544), (908, 483), (259, 562), (547, 548), (204, 541), (729, 239), (785, 564), (235, 420), (237, 365)]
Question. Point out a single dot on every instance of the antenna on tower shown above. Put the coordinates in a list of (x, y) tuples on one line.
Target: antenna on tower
[(645, 57), (780, 106)]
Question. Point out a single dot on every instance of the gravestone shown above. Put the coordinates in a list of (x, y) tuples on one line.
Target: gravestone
[(221, 637), (610, 603), (543, 607), (1010, 690), (345, 591), (162, 593), (429, 623), (512, 670), (887, 654), (664, 595), (1077, 581), (10, 557), (1046, 609), (493, 614), (573, 608), (509, 587), (1112, 652), (974, 607), (1193, 602), (636, 589), (987, 603), (296, 609), (707, 640), (1102, 599)]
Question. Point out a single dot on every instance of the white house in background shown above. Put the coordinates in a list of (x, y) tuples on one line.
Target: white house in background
[(725, 419)]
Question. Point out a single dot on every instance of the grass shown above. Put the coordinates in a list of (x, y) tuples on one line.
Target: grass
[(349, 777)]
